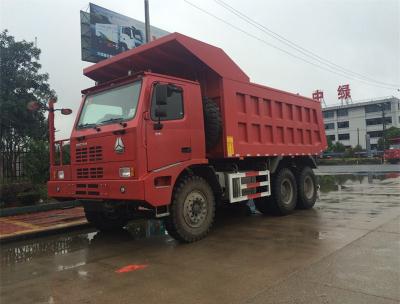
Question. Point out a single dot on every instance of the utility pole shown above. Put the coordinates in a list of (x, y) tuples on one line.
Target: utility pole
[(383, 129), (147, 20)]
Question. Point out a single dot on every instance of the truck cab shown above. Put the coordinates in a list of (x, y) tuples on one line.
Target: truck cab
[(124, 137)]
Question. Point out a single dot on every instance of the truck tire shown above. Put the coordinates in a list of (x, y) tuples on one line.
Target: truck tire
[(105, 221), (284, 194), (307, 188), (192, 210), (212, 123)]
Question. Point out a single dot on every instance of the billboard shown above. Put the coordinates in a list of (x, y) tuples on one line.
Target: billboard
[(105, 33)]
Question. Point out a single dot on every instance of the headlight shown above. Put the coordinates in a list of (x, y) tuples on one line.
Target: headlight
[(60, 174), (125, 172)]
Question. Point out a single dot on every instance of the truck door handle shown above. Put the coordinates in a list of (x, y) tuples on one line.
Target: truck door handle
[(186, 150)]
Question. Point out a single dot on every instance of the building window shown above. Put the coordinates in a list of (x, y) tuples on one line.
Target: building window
[(329, 114), (329, 126), (342, 124), (345, 136), (378, 121), (331, 137), (375, 134), (342, 112), (387, 106)]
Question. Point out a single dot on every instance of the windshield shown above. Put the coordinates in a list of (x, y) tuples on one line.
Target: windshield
[(110, 106)]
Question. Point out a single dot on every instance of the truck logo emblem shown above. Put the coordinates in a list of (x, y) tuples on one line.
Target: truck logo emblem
[(119, 146)]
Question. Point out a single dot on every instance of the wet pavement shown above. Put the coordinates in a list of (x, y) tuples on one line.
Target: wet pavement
[(345, 250), (39, 223)]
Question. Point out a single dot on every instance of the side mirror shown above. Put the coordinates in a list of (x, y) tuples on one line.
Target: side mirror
[(66, 111), (158, 113), (161, 94)]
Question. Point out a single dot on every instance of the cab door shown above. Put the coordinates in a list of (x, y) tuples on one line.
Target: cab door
[(168, 137)]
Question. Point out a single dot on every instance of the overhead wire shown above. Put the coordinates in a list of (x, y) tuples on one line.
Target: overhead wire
[(281, 49), (297, 47)]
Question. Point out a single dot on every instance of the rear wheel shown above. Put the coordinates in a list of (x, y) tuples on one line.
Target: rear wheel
[(307, 188), (192, 210), (284, 194), (107, 220)]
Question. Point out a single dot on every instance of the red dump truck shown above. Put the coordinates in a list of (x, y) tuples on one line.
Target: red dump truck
[(175, 128)]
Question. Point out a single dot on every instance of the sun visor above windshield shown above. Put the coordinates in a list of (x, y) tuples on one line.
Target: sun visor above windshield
[(175, 54)]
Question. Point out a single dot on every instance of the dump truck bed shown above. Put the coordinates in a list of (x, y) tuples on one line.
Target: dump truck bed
[(256, 120), (262, 121)]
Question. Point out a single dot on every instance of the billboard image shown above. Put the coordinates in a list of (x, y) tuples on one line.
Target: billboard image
[(105, 33)]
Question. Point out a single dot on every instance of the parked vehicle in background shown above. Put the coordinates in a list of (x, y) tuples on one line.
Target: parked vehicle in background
[(191, 134), (392, 155), (116, 37)]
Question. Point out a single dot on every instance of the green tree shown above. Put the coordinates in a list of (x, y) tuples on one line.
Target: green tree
[(329, 143), (358, 148), (37, 161), (390, 133), (338, 147), (21, 82)]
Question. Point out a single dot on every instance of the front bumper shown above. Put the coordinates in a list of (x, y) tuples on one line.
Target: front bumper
[(101, 189)]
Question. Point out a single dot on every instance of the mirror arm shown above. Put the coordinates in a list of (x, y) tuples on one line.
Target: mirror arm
[(158, 125)]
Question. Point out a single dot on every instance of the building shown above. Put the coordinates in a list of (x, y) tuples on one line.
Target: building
[(349, 124)]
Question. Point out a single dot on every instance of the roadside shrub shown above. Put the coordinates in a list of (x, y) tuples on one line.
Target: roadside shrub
[(37, 162), (22, 193), (349, 152), (28, 198), (9, 191), (349, 161)]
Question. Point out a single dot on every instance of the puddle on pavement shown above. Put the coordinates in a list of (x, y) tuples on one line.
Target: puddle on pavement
[(329, 183), (25, 251)]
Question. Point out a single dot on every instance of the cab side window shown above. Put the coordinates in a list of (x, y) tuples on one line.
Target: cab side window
[(173, 108)]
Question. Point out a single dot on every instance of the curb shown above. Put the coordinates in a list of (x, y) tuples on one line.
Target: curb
[(38, 208), (24, 235)]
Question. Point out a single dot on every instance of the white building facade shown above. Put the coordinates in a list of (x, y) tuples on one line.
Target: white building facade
[(349, 124)]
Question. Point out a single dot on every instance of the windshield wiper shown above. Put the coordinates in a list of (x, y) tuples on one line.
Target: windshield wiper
[(87, 125), (111, 120)]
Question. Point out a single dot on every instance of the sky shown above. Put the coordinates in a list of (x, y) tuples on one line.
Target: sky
[(361, 35)]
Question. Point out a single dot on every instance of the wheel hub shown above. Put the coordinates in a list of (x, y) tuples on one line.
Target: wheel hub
[(308, 187), (195, 209), (286, 192)]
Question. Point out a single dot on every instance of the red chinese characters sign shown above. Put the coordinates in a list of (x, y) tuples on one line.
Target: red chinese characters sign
[(318, 95), (344, 91)]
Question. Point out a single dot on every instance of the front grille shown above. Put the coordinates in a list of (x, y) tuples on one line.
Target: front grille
[(87, 189), (93, 172), (91, 154)]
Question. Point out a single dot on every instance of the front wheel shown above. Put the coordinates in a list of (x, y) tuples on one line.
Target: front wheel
[(192, 210)]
